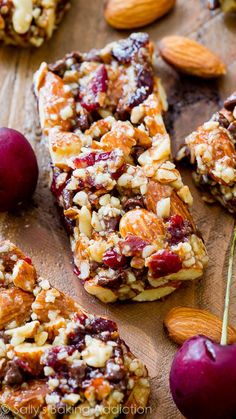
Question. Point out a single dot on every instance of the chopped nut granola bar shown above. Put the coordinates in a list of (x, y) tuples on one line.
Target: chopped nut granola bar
[(30, 22), (211, 152), (123, 201), (56, 360)]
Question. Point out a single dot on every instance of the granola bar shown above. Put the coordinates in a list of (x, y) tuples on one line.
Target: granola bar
[(30, 22), (211, 152), (121, 198), (55, 359)]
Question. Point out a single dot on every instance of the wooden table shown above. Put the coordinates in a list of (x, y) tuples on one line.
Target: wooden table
[(37, 228)]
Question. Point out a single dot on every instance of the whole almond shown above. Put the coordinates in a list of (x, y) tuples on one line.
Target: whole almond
[(182, 323), (190, 57), (142, 223), (131, 14)]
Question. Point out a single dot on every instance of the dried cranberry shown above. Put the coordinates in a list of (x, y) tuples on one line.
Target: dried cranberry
[(85, 161), (139, 96), (99, 324), (56, 190), (103, 156), (113, 259), (89, 106), (119, 172), (133, 245), (53, 360), (90, 159), (176, 221), (76, 271), (77, 339), (164, 263), (67, 197), (145, 77), (99, 81), (126, 49), (81, 318), (28, 260), (144, 86), (178, 229), (24, 366), (97, 85)]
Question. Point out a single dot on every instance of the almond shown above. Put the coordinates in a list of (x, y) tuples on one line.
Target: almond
[(157, 191), (142, 223), (130, 14), (183, 323), (190, 57)]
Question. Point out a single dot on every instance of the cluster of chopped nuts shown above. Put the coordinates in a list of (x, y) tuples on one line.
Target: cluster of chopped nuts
[(123, 201), (60, 360), (211, 151), (30, 22)]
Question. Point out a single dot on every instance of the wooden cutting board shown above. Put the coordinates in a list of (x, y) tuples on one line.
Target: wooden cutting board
[(37, 229)]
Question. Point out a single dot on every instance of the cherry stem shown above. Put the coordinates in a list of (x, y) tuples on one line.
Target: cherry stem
[(228, 287)]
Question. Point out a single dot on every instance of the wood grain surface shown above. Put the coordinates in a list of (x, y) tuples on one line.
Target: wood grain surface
[(37, 229)]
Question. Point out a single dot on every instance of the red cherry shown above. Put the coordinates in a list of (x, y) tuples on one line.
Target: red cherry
[(203, 379), (18, 169)]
